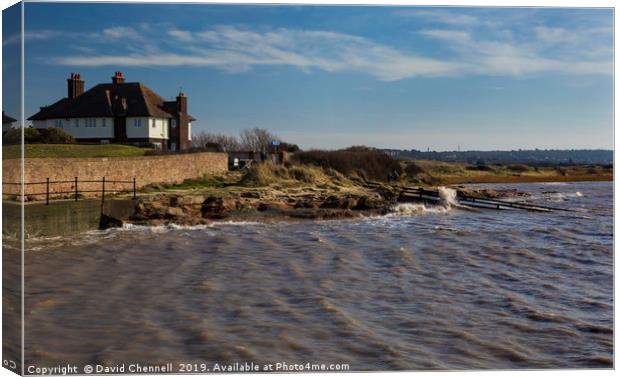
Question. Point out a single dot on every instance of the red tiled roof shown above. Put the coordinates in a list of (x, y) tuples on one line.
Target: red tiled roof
[(109, 100)]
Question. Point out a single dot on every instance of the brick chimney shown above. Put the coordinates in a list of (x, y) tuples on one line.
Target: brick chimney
[(183, 122), (118, 78), (75, 85), (182, 103)]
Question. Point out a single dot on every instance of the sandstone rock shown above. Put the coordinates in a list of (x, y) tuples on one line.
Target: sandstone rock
[(274, 205), (367, 203), (190, 200), (339, 202), (174, 212), (332, 201), (305, 203), (217, 207)]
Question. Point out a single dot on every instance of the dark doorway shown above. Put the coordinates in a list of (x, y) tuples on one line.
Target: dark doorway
[(120, 129)]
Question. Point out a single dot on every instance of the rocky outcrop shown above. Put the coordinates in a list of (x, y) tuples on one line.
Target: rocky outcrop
[(200, 209), (193, 209)]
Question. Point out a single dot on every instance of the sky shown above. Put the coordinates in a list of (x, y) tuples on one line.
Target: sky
[(438, 78)]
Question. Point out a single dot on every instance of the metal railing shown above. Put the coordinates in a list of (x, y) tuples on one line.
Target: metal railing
[(75, 191)]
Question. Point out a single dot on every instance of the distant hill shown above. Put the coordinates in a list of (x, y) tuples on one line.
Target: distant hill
[(540, 157)]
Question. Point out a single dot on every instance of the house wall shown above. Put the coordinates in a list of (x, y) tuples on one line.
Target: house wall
[(81, 128), (141, 132), (94, 128), (147, 170), (158, 128)]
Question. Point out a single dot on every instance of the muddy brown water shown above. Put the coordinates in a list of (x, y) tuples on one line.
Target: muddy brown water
[(423, 288)]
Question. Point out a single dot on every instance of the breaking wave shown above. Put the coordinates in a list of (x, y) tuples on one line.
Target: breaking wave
[(447, 201)]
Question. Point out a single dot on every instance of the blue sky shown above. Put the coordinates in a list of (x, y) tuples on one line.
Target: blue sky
[(329, 77)]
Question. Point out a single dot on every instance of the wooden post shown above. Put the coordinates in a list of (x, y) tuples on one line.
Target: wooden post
[(76, 189), (102, 190), (134, 188), (47, 191)]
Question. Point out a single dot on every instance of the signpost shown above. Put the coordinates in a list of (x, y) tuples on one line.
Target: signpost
[(276, 144)]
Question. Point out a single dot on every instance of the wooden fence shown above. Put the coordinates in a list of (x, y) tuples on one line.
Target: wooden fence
[(76, 188)]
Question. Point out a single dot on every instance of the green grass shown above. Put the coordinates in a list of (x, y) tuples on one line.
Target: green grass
[(72, 151)]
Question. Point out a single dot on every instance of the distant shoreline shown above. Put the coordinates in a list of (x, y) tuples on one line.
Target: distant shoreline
[(525, 179)]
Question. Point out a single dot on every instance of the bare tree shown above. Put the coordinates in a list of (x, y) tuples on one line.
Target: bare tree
[(221, 141), (256, 139)]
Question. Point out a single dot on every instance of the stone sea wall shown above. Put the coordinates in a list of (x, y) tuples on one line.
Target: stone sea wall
[(146, 170)]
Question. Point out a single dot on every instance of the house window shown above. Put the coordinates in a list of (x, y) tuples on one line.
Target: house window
[(153, 121), (137, 123), (58, 123), (90, 122), (103, 122), (173, 123)]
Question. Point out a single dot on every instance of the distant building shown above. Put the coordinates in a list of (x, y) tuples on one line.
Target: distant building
[(119, 112), (8, 122)]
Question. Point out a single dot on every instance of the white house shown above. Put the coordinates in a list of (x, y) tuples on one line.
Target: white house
[(8, 122), (119, 112)]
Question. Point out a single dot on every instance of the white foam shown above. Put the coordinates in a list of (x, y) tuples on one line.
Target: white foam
[(447, 197), (447, 201), (562, 196), (410, 209)]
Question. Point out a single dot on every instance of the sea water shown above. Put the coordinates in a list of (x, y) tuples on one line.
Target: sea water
[(426, 287)]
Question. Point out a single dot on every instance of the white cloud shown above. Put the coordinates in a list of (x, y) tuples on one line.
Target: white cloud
[(440, 16), (181, 35), (235, 49), (39, 35), (121, 32), (505, 55), (555, 35), (459, 36)]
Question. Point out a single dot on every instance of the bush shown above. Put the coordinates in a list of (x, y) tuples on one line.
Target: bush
[(412, 169), (355, 161), (289, 147), (519, 168), (53, 135), (12, 136), (480, 168)]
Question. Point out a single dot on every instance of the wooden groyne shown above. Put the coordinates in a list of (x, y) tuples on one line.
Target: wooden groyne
[(433, 196)]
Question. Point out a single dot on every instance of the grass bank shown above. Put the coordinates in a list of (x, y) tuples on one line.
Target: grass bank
[(442, 173), (72, 151)]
